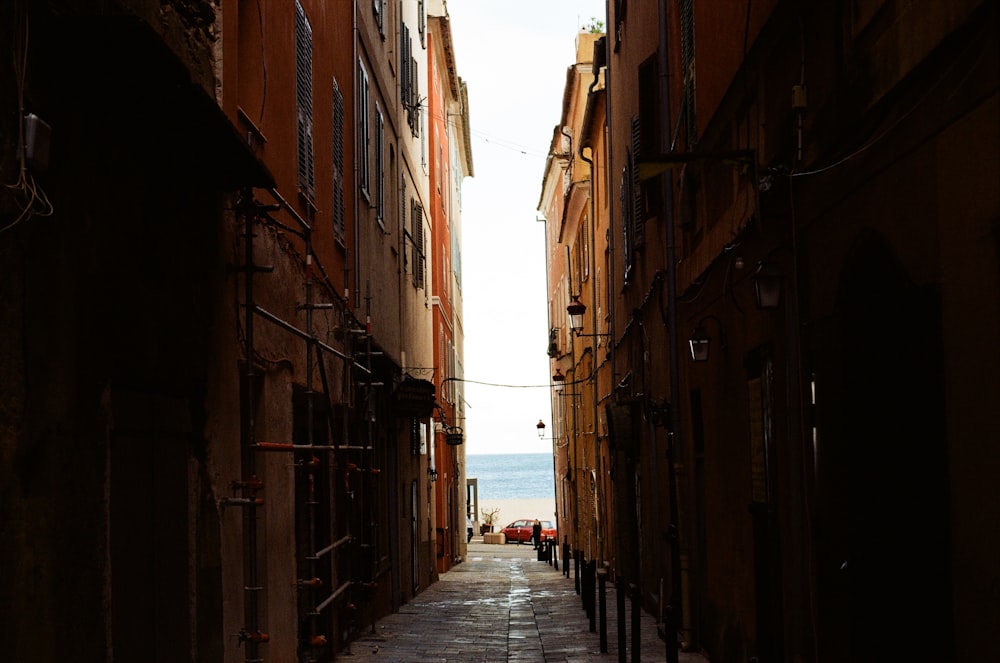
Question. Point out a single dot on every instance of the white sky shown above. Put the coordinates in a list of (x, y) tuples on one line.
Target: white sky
[(513, 54)]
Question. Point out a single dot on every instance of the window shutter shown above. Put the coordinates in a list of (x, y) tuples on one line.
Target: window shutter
[(418, 244), (379, 167), (688, 67), (638, 211), (304, 102), (626, 205), (414, 115), (404, 67), (421, 21), (403, 227), (339, 213), (364, 132)]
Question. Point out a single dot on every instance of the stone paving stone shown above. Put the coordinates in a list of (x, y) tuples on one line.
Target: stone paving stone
[(502, 604)]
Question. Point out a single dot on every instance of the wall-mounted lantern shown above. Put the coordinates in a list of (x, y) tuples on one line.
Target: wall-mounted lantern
[(700, 341), (453, 437), (576, 311), (558, 381), (767, 285)]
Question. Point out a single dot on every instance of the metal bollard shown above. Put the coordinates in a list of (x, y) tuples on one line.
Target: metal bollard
[(602, 598), (565, 556), (636, 623), (620, 603), (576, 570), (591, 598)]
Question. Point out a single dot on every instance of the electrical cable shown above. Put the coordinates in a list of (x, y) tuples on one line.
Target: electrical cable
[(878, 137), (36, 202)]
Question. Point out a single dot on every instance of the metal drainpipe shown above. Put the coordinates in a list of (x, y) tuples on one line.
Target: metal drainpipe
[(593, 321), (311, 499), (252, 650), (543, 219), (354, 129), (676, 610), (608, 115)]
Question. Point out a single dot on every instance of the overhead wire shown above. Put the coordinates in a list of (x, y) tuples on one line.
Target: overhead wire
[(34, 200), (486, 137), (928, 93)]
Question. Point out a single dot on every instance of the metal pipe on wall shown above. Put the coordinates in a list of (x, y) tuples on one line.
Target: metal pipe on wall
[(248, 427), (675, 609)]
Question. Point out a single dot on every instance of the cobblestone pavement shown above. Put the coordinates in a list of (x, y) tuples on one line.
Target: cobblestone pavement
[(502, 604)]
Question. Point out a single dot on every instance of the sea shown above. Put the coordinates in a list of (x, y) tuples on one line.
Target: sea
[(511, 476)]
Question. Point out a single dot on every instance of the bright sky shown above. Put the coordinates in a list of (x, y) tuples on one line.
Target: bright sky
[(513, 54)]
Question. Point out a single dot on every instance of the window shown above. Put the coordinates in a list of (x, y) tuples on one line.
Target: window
[(409, 92), (404, 57), (304, 103), (627, 203), (639, 211), (402, 211), (421, 22), (687, 67), (414, 118), (414, 261), (646, 142), (581, 253), (379, 167), (417, 240), (364, 139), (417, 443), (339, 213), (379, 9), (406, 70), (760, 389), (421, 129), (456, 260)]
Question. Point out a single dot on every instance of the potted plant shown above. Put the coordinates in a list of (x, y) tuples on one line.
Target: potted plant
[(489, 519)]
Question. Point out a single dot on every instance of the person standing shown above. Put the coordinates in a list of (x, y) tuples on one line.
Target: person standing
[(536, 533)]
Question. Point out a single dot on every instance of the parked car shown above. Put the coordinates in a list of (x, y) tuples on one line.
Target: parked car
[(520, 530)]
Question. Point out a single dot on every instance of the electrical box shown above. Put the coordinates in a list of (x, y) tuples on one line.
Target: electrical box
[(37, 136)]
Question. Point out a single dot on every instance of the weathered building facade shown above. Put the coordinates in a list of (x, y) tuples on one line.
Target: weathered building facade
[(574, 235), (802, 267), (450, 162), (216, 276)]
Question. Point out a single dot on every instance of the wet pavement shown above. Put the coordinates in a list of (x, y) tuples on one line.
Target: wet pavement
[(502, 604)]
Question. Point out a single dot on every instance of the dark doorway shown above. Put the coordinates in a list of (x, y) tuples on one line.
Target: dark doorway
[(150, 584), (882, 530)]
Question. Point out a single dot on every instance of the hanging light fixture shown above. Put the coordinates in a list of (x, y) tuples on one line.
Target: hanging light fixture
[(558, 380), (576, 311), (767, 285), (699, 342), (541, 429)]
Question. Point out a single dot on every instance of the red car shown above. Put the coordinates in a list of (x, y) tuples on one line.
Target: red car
[(520, 530)]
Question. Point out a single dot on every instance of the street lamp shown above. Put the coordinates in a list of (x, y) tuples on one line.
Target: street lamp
[(700, 341), (558, 381), (541, 429), (767, 285), (576, 311)]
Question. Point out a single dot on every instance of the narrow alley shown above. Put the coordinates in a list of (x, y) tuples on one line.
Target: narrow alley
[(502, 604)]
